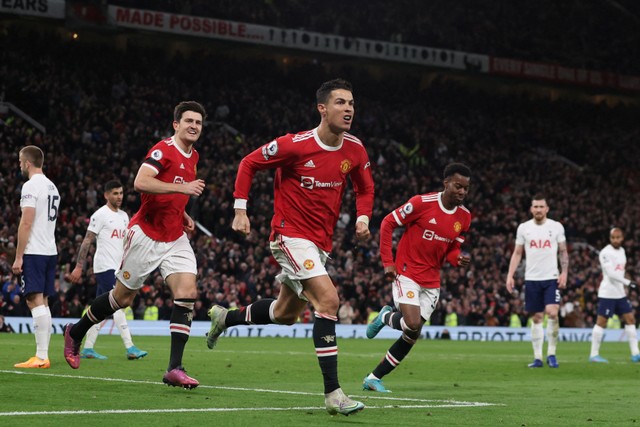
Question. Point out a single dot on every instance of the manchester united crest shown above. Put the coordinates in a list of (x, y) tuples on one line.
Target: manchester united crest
[(345, 166), (126, 275), (410, 294), (308, 264), (457, 227)]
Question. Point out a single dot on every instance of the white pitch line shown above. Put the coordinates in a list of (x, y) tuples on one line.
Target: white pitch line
[(162, 411), (430, 403)]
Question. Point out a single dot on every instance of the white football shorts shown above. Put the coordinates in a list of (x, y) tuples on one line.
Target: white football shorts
[(300, 259), (142, 255), (406, 291)]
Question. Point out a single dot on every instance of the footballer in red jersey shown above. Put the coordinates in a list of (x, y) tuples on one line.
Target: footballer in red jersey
[(161, 216), (310, 180), (156, 239), (434, 224), (311, 176)]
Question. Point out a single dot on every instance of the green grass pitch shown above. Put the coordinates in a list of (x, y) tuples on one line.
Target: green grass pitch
[(277, 382)]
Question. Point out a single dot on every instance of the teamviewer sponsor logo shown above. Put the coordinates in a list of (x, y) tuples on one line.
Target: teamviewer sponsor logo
[(310, 183), (430, 235), (307, 182)]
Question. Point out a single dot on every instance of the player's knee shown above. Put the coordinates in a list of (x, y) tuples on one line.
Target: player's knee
[(329, 305), (411, 330), (413, 324), (552, 314), (187, 292), (410, 335), (286, 319), (537, 317), (122, 295)]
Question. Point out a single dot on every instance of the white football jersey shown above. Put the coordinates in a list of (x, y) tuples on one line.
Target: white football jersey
[(613, 262), (541, 248), (110, 228), (42, 194)]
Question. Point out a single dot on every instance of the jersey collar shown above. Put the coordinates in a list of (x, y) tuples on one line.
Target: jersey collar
[(448, 211), (323, 145)]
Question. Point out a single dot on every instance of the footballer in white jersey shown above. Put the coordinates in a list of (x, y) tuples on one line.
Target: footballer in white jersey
[(540, 242), (36, 252), (613, 262), (612, 298), (543, 241), (107, 227), (42, 195), (110, 227)]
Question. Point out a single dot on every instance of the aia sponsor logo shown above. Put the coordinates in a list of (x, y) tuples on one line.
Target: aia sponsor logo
[(118, 234), (540, 244)]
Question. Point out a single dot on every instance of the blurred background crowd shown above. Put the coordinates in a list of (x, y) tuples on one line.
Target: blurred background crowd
[(104, 106), (594, 35)]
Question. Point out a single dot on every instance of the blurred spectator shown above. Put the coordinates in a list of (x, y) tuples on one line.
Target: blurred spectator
[(75, 307), (150, 311), (346, 313), (60, 307), (5, 327)]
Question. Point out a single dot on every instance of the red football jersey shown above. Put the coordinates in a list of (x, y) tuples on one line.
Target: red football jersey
[(309, 183), (161, 216), (432, 235)]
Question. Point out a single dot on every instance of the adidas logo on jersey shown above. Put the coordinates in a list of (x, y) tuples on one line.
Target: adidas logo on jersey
[(310, 164), (182, 166), (432, 221)]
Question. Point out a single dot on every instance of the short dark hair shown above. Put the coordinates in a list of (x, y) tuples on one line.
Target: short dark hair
[(538, 196), (34, 155), (456, 168), (188, 106), (112, 185), (323, 93)]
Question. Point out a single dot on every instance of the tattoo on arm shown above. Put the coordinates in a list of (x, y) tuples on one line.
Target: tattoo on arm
[(564, 258), (84, 249)]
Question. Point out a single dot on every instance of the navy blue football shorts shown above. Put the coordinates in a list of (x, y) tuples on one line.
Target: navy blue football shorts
[(540, 293), (607, 307), (39, 274), (106, 281)]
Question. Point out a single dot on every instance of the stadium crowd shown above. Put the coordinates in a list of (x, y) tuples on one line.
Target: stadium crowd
[(592, 35), (103, 111)]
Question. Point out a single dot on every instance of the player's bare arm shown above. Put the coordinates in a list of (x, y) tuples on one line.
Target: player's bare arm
[(88, 240), (464, 259), (189, 223), (24, 231), (241, 223), (362, 231), (564, 264), (516, 257), (390, 273), (146, 182)]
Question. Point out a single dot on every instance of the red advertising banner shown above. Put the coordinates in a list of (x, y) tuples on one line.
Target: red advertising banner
[(560, 74)]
